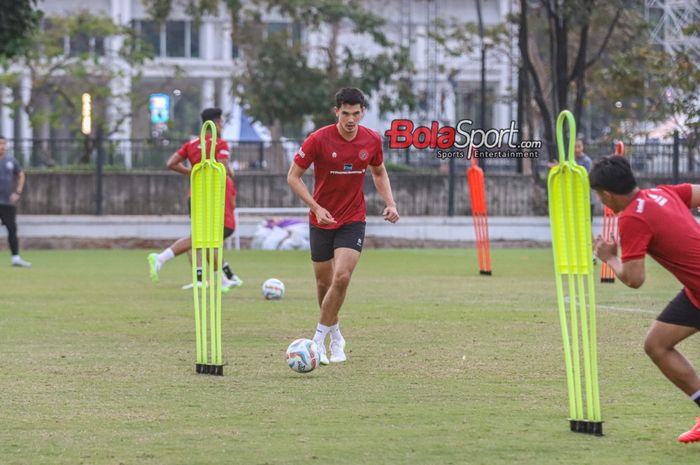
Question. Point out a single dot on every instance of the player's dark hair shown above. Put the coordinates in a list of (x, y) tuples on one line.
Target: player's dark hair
[(613, 174), (211, 114), (350, 96)]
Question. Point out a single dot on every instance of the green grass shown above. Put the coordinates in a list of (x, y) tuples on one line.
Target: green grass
[(445, 366)]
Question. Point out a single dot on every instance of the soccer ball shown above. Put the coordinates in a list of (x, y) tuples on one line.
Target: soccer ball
[(273, 289), (302, 355)]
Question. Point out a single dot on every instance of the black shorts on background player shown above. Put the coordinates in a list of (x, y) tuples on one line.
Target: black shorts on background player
[(324, 241)]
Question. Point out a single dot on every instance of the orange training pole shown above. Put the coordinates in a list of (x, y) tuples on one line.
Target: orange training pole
[(610, 228), (475, 177)]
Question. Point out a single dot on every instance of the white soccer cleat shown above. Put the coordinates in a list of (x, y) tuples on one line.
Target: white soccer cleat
[(338, 351), (228, 284), (237, 282), (21, 263), (190, 286), (322, 357)]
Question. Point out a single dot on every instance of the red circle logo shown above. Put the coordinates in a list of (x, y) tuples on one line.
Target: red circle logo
[(364, 155)]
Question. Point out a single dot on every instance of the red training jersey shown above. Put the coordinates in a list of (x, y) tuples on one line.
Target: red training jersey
[(339, 171), (658, 222), (192, 152)]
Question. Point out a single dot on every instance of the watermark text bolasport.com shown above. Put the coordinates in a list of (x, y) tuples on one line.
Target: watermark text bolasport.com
[(403, 134)]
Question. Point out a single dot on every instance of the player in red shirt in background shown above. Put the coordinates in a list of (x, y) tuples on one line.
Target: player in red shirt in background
[(341, 153), (191, 151), (657, 222)]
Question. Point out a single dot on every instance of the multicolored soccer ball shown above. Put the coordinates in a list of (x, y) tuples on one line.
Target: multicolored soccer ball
[(302, 355), (273, 289)]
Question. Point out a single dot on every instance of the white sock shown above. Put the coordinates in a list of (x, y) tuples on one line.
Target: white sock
[(165, 255), (335, 332), (16, 258), (321, 333), (695, 396)]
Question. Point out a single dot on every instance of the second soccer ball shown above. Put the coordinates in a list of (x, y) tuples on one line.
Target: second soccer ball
[(273, 289)]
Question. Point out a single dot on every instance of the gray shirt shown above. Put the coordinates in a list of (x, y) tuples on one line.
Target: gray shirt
[(9, 169)]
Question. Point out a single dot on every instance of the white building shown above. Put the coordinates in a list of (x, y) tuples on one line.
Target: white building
[(208, 60)]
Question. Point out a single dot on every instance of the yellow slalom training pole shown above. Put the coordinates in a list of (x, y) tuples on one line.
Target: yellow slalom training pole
[(570, 218), (208, 184)]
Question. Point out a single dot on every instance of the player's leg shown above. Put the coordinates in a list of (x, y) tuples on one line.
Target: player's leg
[(321, 244), (228, 279), (680, 320), (157, 260), (9, 219), (348, 244)]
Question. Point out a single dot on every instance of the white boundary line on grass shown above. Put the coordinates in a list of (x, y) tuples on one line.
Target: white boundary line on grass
[(622, 309)]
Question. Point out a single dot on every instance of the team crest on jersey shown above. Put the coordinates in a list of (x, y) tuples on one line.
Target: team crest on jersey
[(334, 155), (363, 155)]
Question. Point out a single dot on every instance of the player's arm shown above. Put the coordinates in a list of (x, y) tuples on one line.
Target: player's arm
[(381, 182), (695, 196), (19, 187), (299, 188), (631, 272), (174, 163)]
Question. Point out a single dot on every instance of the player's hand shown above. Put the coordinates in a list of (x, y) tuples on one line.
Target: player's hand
[(14, 198), (604, 249), (323, 216), (391, 215)]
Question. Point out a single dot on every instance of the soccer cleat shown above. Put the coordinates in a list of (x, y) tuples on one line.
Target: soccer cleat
[(693, 435), (190, 286), (21, 263), (322, 357), (237, 282), (153, 267), (338, 351)]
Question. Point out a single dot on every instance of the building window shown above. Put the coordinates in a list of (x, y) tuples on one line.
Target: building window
[(149, 32), (194, 39), (176, 39)]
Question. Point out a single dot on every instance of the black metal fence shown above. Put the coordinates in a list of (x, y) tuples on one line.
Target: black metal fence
[(147, 154)]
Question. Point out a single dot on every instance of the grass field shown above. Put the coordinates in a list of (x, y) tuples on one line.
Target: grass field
[(444, 366)]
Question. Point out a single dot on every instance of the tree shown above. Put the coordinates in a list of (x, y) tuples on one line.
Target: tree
[(384, 75), (59, 77), (575, 34), (683, 91), (18, 21)]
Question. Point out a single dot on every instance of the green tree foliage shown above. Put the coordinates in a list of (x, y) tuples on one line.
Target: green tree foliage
[(264, 86), (18, 21), (59, 77)]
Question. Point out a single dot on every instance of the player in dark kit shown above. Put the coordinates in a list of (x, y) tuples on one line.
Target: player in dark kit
[(657, 222), (341, 153)]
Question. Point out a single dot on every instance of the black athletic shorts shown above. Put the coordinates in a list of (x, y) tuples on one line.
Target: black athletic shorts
[(324, 241), (681, 311)]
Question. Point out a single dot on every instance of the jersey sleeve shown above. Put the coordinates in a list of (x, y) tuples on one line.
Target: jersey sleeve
[(182, 151), (222, 152), (635, 236), (16, 167), (684, 191), (307, 153), (378, 155)]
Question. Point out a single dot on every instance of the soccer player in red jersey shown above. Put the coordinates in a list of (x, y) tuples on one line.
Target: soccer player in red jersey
[(191, 151), (341, 154), (657, 222)]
